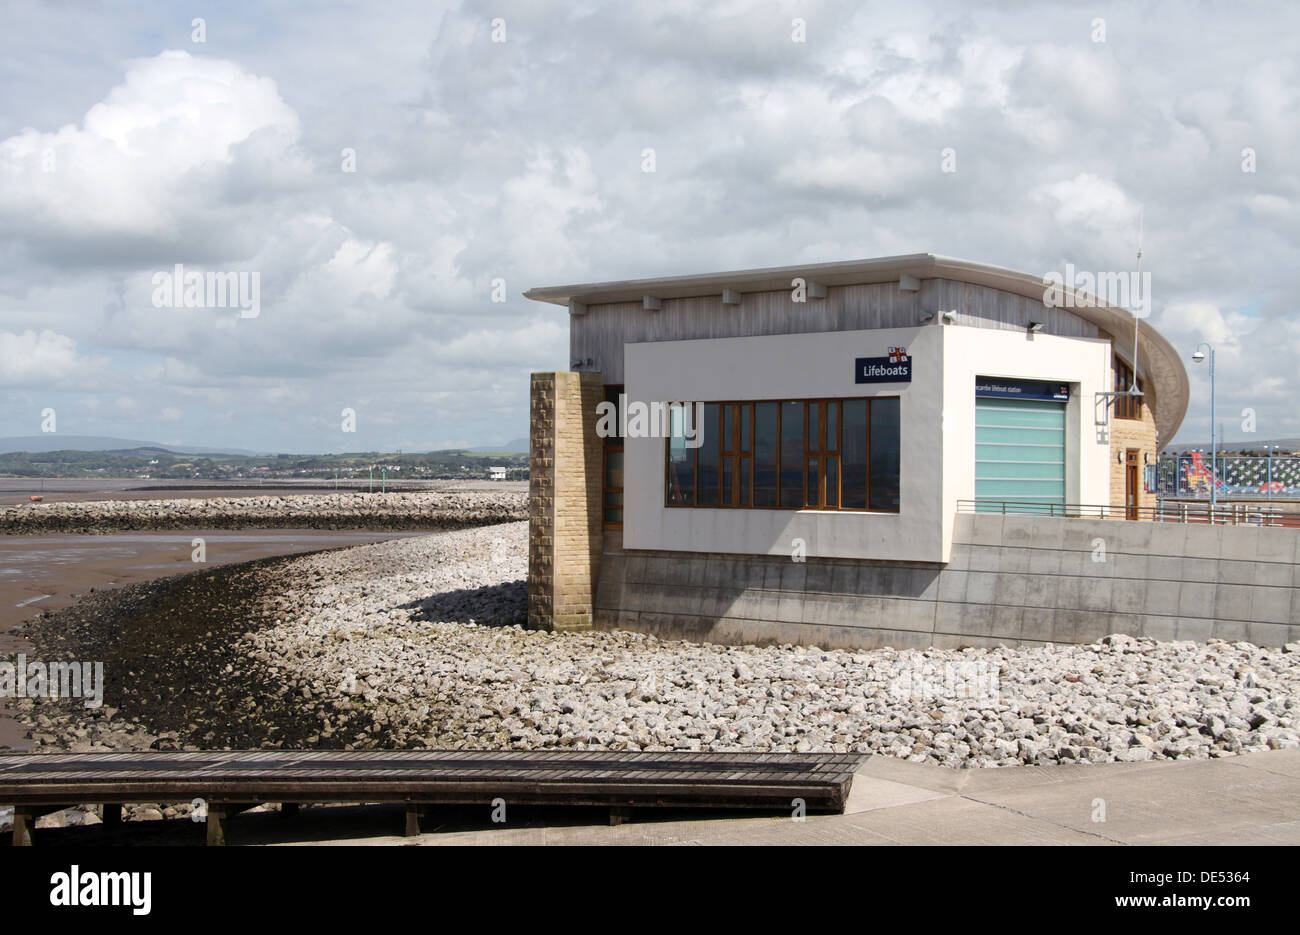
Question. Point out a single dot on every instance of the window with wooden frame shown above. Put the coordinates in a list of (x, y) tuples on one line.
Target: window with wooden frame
[(612, 470), (822, 454), (1126, 407)]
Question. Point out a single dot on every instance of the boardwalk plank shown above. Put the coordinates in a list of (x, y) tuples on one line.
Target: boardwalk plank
[(557, 777)]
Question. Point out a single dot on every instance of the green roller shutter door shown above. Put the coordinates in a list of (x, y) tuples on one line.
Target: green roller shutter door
[(1020, 452)]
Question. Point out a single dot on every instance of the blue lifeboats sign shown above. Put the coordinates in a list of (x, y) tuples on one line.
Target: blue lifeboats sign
[(1021, 389), (894, 367)]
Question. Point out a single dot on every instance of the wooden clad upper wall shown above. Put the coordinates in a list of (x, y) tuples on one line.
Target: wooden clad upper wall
[(602, 332)]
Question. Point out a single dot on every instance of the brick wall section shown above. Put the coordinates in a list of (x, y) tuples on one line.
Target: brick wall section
[(564, 499), (541, 500), (1013, 580), (1132, 433), (1139, 434)]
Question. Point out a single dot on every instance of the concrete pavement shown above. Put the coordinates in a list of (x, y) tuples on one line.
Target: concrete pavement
[(1250, 799)]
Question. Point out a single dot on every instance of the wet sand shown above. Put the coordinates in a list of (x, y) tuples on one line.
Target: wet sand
[(40, 574)]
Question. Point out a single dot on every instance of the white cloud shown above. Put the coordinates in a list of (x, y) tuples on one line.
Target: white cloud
[(521, 160), (44, 358), (147, 160), (1091, 201)]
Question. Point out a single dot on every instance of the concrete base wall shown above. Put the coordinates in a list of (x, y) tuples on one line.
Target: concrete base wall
[(1013, 580)]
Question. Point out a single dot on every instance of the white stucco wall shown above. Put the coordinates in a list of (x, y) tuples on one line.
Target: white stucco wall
[(937, 412), (1084, 363)]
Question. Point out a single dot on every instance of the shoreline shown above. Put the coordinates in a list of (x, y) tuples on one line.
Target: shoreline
[(426, 511), (46, 573), (416, 642)]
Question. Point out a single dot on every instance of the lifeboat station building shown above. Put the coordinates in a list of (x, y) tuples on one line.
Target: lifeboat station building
[(904, 451)]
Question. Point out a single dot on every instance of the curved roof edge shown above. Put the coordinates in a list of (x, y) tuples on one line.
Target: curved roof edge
[(1158, 362)]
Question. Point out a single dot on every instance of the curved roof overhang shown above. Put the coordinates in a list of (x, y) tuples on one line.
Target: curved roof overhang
[(1159, 364)]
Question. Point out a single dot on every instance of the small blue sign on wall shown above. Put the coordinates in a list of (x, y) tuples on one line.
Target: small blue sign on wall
[(895, 367), (1021, 389)]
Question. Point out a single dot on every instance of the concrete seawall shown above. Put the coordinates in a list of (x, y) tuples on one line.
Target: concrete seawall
[(1013, 580)]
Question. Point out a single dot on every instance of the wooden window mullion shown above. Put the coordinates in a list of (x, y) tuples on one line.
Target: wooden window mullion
[(866, 446), (821, 461), (839, 455)]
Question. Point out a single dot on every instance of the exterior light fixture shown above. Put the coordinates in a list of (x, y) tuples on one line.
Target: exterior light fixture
[(949, 317), (1198, 356), (1035, 327), (927, 317)]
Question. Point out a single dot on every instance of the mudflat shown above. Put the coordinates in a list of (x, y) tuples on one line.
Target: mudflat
[(44, 574)]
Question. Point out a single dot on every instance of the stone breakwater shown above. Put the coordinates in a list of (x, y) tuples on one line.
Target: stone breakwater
[(416, 643), (422, 658), (353, 510)]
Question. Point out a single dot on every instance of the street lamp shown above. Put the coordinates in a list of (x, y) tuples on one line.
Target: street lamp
[(1199, 356)]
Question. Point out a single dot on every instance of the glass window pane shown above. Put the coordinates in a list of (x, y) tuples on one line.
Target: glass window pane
[(728, 480), (681, 473), (884, 485), (613, 499), (708, 456), (814, 440), (728, 427), (744, 482), (854, 455), (614, 468), (832, 482), (812, 482), (680, 487), (613, 516), (765, 451), (832, 426), (792, 455), (744, 427)]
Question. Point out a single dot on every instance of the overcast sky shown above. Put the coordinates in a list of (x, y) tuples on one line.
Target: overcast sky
[(127, 147)]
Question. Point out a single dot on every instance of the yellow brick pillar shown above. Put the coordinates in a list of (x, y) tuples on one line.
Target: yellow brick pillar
[(566, 461)]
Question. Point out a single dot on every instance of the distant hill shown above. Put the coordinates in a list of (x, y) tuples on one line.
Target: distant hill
[(514, 446), (54, 441)]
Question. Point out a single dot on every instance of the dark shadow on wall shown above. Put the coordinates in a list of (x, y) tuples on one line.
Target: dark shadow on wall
[(497, 605)]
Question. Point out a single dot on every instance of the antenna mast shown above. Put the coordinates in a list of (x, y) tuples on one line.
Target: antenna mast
[(1133, 390)]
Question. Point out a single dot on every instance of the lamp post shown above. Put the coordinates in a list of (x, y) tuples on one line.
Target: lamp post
[(1199, 356)]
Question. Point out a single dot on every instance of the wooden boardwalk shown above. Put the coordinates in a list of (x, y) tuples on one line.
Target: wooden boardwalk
[(38, 783)]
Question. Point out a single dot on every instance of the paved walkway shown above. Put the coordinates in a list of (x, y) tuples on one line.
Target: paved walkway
[(1251, 799)]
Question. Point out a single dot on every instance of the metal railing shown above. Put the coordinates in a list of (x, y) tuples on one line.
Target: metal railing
[(1254, 477), (1230, 514)]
